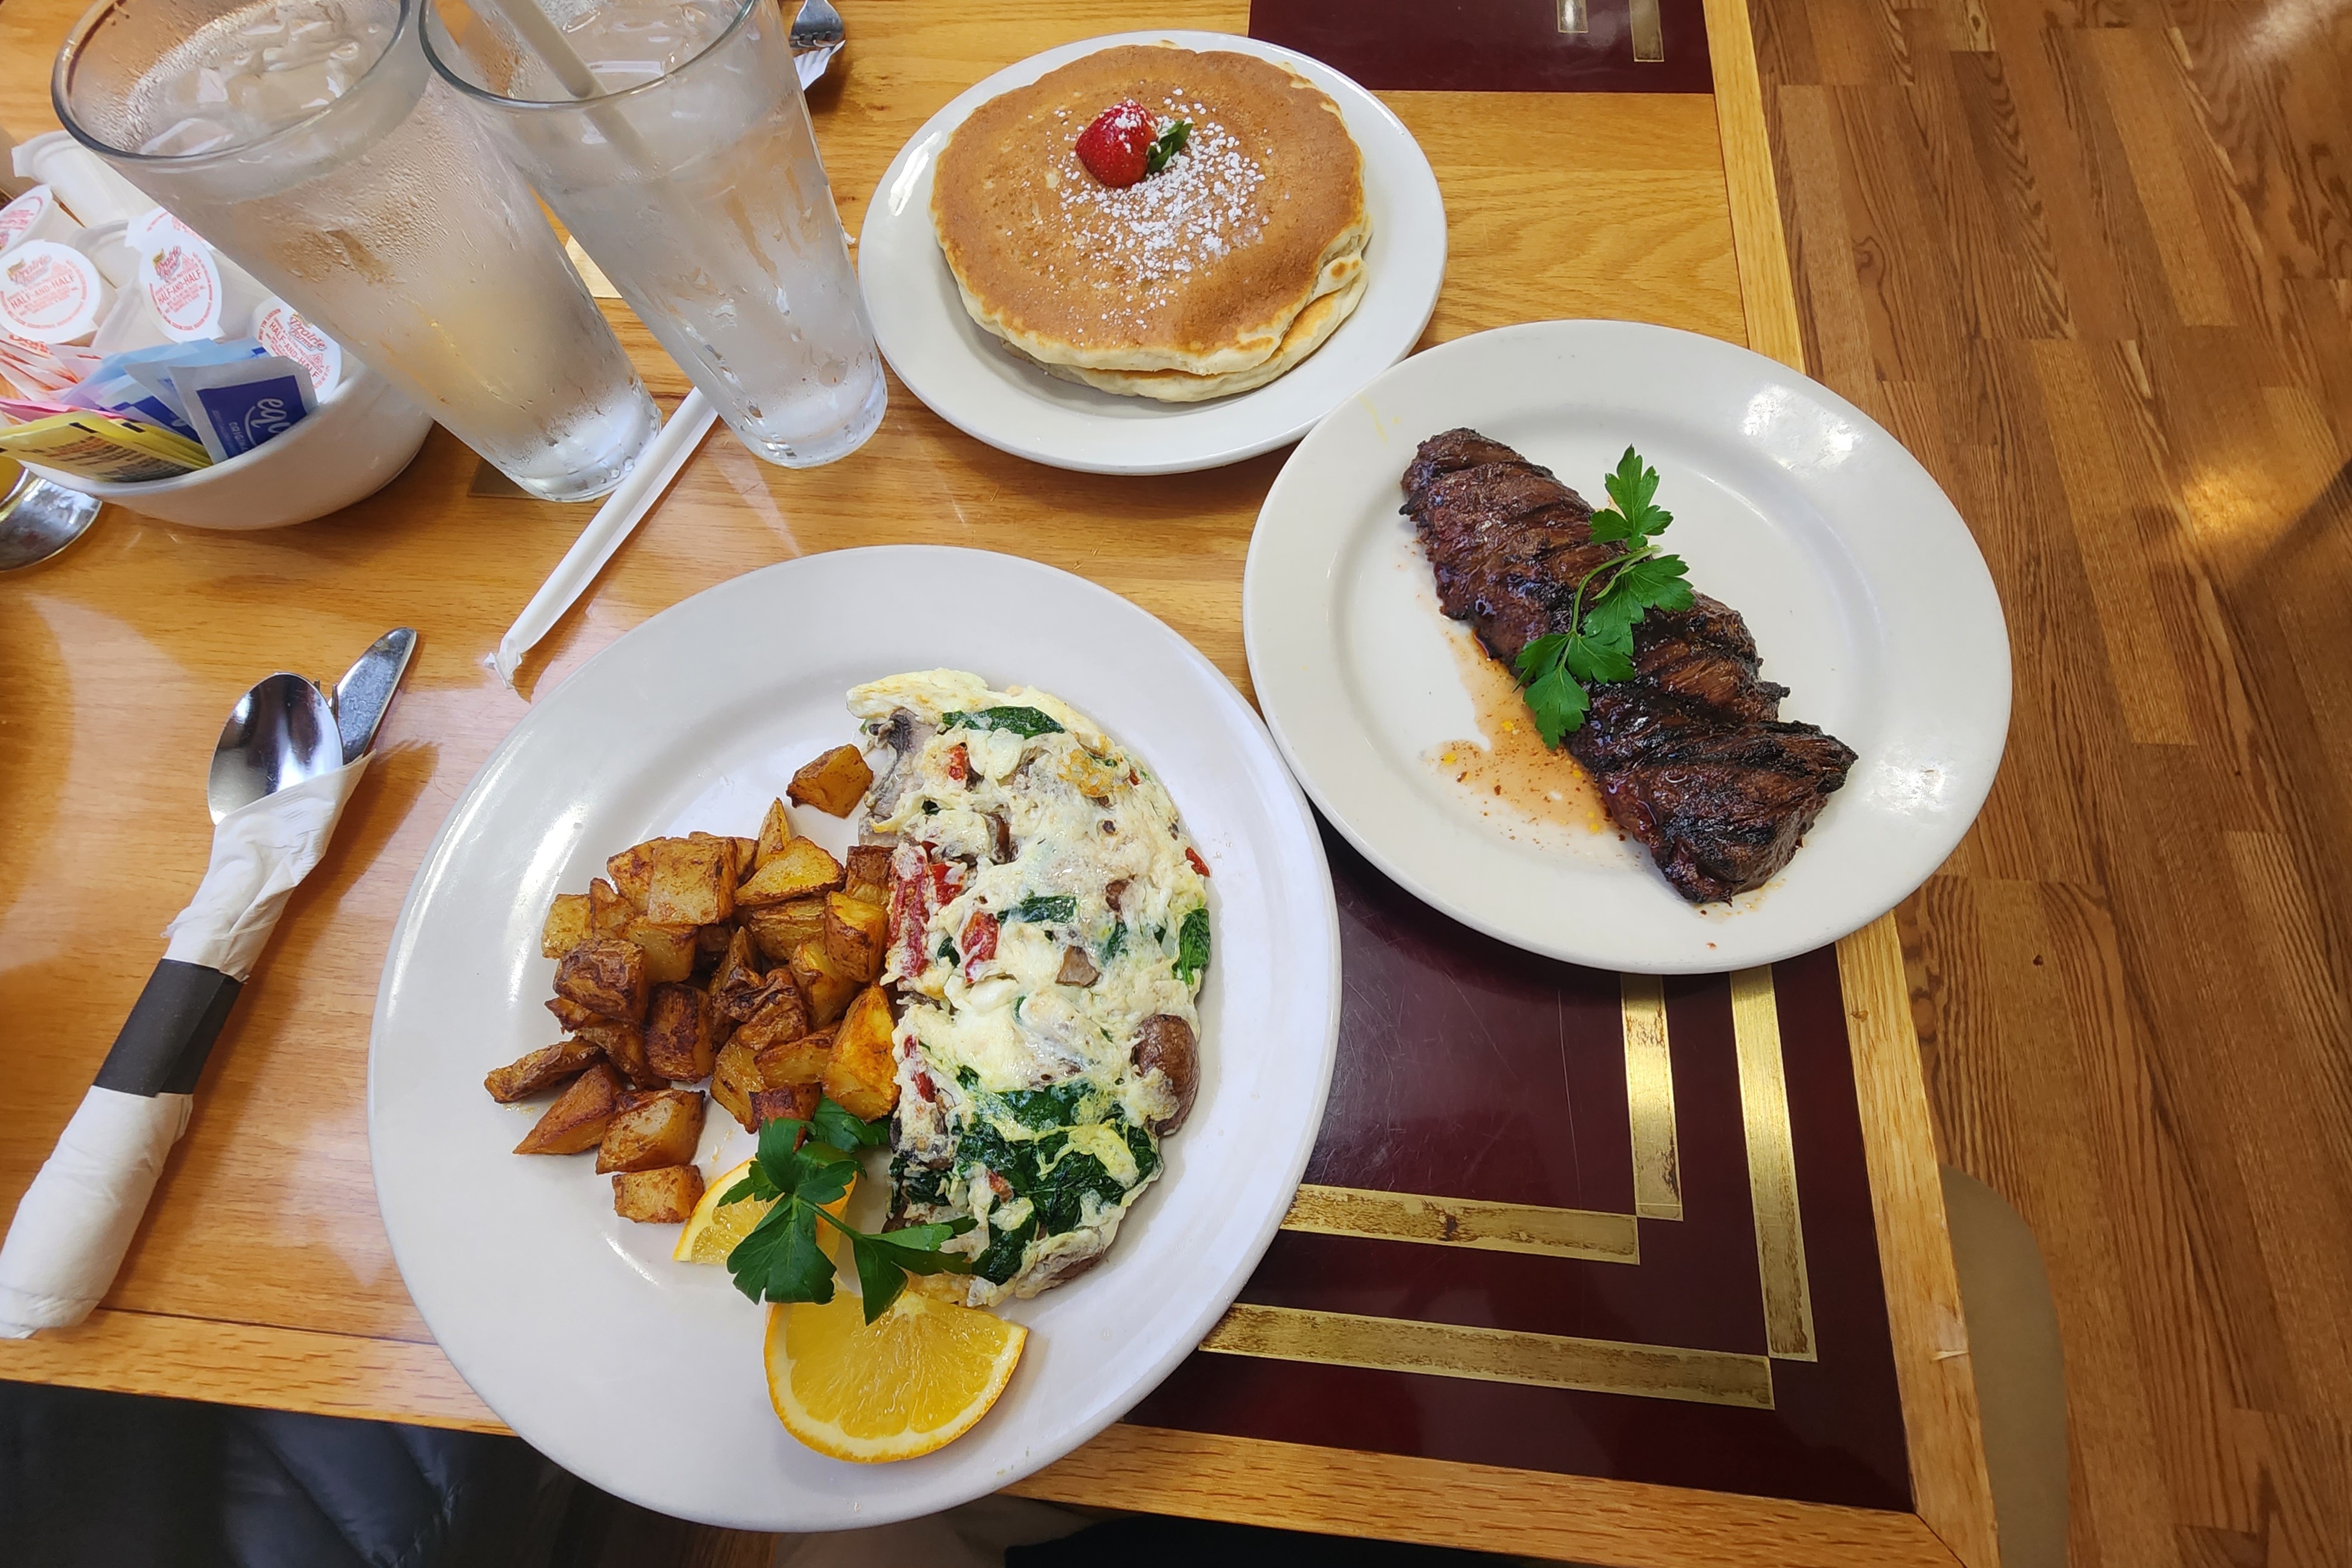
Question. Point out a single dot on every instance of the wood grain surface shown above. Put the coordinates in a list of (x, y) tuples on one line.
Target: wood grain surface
[(2091, 261), (262, 1273)]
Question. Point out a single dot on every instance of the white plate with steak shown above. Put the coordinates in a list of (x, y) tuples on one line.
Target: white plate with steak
[(1786, 741)]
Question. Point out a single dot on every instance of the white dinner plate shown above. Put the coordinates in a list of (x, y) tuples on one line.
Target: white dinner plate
[(1864, 591), (643, 1375), (972, 382)]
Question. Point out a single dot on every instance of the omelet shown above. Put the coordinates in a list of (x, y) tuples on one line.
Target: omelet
[(1049, 931)]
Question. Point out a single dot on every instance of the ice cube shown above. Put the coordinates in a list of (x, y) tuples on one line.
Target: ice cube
[(188, 137)]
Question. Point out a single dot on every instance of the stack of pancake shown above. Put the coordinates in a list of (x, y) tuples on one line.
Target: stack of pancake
[(1214, 276)]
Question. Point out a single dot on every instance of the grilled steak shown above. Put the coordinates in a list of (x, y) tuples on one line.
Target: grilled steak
[(1691, 754)]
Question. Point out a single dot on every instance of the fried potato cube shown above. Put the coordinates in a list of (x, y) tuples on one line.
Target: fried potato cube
[(747, 856), (783, 1014), (609, 913), (632, 871), (624, 1045), (668, 949), (577, 1119), (681, 1042), (789, 1062), (855, 934), (663, 1196), (689, 881), (549, 1065), (826, 986), (780, 927), (567, 925), (575, 1018), (652, 1128), (712, 941), (867, 873), (734, 1078), (775, 832), (834, 783), (737, 865), (795, 871), (737, 983), (604, 975), (862, 1077), (795, 1102)]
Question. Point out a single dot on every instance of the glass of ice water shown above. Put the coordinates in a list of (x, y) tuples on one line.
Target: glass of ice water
[(310, 141), (671, 139)]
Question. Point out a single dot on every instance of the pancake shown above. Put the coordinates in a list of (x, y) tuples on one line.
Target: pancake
[(1201, 268), (1308, 330)]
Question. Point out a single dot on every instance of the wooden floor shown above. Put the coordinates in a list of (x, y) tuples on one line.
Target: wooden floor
[(2093, 263)]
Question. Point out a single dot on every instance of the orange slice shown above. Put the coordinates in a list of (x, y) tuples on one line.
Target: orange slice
[(913, 1381)]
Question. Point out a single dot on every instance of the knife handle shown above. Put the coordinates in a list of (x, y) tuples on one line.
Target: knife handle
[(171, 1029)]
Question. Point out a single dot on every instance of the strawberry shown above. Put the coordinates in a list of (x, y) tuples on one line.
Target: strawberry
[(1116, 148)]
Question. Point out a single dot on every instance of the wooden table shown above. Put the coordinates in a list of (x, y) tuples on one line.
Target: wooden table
[(262, 1275)]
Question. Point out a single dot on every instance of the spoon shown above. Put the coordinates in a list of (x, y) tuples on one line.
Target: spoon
[(280, 733), (37, 519)]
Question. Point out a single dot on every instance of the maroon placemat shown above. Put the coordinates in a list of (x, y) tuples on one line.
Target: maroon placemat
[(1496, 46), (1471, 1070)]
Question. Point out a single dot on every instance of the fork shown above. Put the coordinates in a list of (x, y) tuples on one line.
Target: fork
[(816, 37)]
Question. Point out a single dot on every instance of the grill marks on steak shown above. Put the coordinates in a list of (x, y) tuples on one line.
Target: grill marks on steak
[(1690, 755)]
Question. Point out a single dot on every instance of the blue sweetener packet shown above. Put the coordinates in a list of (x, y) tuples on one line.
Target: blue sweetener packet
[(123, 394), (237, 406), (151, 368)]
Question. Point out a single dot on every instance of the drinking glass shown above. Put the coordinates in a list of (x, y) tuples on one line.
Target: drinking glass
[(311, 142), (671, 139)]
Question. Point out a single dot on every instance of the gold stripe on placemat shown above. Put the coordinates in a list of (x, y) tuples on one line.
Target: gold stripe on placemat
[(1466, 1222), (1493, 1356), (1771, 1167), (1649, 33), (1650, 1096)]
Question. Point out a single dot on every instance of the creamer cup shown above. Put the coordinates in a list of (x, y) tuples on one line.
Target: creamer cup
[(183, 286), (93, 192), (51, 293), (131, 324), (117, 262), (287, 335), (35, 215)]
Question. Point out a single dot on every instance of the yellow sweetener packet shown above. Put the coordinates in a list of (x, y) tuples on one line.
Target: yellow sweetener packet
[(93, 447)]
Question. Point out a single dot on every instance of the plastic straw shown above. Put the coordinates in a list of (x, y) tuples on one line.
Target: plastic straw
[(664, 456)]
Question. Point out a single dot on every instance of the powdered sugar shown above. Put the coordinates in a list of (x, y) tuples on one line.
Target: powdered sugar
[(1200, 208)]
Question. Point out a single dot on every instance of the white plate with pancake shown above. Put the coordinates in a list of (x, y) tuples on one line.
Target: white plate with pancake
[(978, 384), (643, 1375), (1861, 584)]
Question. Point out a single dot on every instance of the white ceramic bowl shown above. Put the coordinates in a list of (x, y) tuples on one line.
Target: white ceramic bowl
[(348, 448)]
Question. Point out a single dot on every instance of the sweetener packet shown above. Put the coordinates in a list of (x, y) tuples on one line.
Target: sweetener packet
[(237, 408), (152, 367), (122, 393), (94, 447)]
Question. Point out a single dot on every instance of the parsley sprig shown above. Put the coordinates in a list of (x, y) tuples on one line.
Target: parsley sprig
[(1610, 602), (781, 1260)]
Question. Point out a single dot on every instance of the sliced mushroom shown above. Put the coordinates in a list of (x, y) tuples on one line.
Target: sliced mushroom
[(1114, 893), (1001, 834), (1077, 967), (1167, 1046)]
